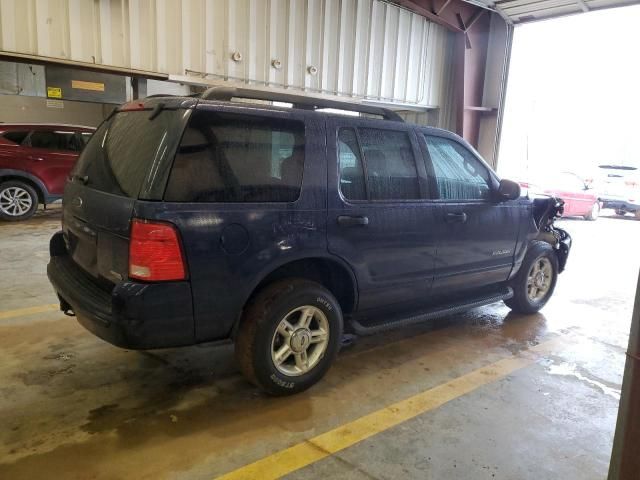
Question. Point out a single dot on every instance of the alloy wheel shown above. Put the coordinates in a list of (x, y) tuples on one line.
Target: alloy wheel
[(539, 279), (15, 201), (300, 340)]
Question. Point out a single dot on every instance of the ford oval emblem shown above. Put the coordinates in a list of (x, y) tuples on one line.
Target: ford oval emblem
[(77, 202)]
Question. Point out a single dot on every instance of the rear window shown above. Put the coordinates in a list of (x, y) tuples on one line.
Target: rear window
[(120, 154), (237, 158)]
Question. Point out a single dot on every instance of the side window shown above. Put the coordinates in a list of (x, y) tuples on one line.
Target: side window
[(237, 158), (391, 167), (54, 140), (352, 183), (458, 173), (16, 136), (84, 138)]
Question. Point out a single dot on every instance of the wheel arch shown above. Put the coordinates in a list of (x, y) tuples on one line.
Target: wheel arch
[(331, 273), (17, 175)]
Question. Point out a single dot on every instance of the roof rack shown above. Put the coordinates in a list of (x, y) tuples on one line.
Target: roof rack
[(298, 101)]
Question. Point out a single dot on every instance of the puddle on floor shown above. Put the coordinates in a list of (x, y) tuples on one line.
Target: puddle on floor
[(572, 370)]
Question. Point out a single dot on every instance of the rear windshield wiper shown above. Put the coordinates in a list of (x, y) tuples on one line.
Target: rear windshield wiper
[(156, 111)]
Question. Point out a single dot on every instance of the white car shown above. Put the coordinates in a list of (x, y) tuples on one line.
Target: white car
[(619, 188)]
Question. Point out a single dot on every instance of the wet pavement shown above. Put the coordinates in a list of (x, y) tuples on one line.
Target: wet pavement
[(72, 406)]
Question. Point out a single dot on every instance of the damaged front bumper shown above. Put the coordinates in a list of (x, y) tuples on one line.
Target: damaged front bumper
[(546, 210), (562, 247)]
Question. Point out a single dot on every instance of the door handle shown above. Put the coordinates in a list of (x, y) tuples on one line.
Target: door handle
[(352, 221), (36, 159), (457, 217)]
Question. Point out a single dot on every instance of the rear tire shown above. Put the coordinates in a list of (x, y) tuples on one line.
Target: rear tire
[(289, 335), (594, 213), (637, 214), (535, 282), (18, 201)]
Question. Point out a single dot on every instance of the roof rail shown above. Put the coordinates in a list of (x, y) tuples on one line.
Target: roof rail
[(298, 101)]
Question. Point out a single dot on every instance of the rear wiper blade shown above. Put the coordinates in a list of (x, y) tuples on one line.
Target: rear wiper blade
[(156, 111)]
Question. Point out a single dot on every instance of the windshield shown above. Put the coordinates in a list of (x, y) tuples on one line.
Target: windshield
[(121, 153)]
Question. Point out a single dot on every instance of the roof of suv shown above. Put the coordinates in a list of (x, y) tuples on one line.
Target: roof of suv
[(250, 98), (253, 99)]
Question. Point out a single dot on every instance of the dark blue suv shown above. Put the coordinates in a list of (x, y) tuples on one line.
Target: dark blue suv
[(188, 220)]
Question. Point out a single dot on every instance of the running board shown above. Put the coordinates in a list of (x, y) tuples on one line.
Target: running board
[(363, 330)]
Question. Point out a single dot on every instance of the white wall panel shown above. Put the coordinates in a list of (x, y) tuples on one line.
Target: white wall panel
[(359, 48)]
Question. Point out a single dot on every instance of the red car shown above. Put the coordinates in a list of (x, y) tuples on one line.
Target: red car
[(579, 199), (35, 160)]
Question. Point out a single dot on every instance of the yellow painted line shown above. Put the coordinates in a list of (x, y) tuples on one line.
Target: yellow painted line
[(20, 312), (314, 449)]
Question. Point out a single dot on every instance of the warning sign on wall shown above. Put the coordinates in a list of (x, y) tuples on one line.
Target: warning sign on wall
[(54, 92), (55, 104)]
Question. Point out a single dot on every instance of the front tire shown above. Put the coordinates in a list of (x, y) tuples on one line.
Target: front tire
[(289, 336), (535, 282), (594, 213), (18, 201)]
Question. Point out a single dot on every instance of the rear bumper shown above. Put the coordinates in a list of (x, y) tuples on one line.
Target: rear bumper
[(132, 315)]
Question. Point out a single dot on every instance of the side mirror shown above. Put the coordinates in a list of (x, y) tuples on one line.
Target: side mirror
[(508, 190)]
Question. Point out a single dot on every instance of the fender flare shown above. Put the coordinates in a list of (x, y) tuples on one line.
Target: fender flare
[(281, 262), (273, 266)]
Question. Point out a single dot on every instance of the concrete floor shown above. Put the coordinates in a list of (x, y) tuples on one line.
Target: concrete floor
[(72, 406)]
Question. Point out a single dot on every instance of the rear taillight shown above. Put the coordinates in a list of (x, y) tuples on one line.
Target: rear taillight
[(155, 253)]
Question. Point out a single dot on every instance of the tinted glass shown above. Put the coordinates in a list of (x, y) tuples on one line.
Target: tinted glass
[(234, 158), (351, 174), (16, 136), (391, 168), (83, 138), (459, 174), (63, 140), (120, 153)]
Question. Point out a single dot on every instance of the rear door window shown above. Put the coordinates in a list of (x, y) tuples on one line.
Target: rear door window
[(390, 164), (238, 158), (121, 153), (352, 184)]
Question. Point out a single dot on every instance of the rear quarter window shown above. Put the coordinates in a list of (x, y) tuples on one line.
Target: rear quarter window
[(237, 158), (16, 136)]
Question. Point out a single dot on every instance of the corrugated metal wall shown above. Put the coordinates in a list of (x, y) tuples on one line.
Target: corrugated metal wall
[(362, 48)]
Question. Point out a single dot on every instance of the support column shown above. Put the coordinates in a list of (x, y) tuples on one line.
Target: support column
[(138, 87), (625, 458)]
